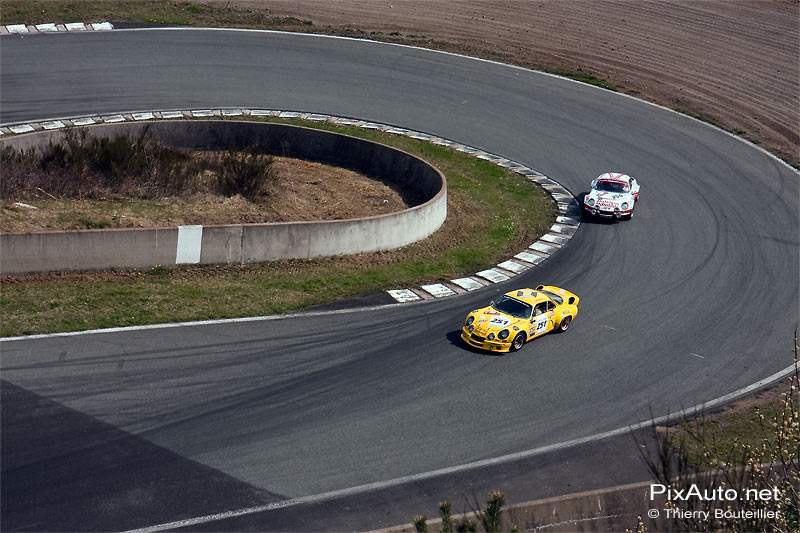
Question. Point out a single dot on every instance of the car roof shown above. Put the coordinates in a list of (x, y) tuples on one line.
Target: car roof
[(614, 176), (529, 296)]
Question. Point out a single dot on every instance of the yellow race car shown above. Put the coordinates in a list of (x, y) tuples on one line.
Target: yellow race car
[(517, 316)]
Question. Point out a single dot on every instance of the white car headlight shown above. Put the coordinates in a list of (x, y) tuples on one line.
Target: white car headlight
[(624, 206), (590, 202)]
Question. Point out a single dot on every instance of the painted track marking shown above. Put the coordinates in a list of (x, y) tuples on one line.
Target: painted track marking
[(463, 467)]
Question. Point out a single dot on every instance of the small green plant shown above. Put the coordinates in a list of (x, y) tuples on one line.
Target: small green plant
[(447, 518), (194, 8), (492, 511), (297, 21), (581, 76), (489, 517), (246, 173), (157, 270)]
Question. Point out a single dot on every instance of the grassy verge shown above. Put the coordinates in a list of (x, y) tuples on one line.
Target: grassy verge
[(753, 449), (758, 422), (582, 77), (493, 213), (764, 426)]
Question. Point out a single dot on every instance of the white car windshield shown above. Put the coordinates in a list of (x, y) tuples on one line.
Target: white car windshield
[(611, 186), (512, 306)]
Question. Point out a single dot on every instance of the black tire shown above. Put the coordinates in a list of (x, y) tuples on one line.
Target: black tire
[(564, 325), (518, 342)]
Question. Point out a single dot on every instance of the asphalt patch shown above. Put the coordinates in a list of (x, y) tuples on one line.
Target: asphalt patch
[(355, 302), (61, 470)]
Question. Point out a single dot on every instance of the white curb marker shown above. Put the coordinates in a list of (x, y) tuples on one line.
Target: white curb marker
[(190, 240)]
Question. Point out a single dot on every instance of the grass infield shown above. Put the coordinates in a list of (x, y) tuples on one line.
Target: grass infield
[(492, 214)]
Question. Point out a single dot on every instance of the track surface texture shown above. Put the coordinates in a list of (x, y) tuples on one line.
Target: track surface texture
[(697, 296), (733, 61)]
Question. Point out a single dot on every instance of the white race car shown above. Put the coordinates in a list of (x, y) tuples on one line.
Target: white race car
[(612, 195)]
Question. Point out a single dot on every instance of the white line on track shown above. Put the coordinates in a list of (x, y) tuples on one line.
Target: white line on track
[(341, 493), (199, 323)]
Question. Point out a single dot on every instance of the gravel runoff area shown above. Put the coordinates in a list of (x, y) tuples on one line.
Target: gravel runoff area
[(735, 62)]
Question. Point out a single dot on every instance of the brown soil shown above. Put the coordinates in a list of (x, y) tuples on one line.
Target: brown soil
[(310, 191), (735, 62), (303, 191)]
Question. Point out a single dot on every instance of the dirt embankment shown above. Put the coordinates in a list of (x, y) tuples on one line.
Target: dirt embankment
[(736, 62)]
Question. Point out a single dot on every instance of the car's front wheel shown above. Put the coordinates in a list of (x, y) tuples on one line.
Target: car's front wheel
[(564, 325), (518, 341), (633, 207)]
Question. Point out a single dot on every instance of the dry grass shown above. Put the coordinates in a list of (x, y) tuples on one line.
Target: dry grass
[(492, 214), (302, 190)]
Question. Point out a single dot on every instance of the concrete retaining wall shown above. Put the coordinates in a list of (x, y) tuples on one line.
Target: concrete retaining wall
[(422, 185)]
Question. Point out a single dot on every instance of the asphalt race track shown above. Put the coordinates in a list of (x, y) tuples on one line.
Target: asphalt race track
[(694, 298)]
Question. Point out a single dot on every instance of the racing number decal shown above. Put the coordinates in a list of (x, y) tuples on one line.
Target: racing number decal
[(541, 324), (499, 321)]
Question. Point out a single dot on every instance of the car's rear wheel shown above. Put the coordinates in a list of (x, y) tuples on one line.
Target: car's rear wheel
[(564, 325), (518, 341)]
